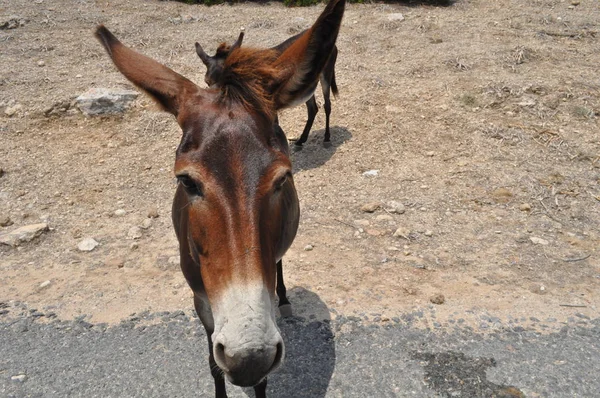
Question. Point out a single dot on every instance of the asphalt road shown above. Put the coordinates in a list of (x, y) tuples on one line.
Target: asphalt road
[(165, 355)]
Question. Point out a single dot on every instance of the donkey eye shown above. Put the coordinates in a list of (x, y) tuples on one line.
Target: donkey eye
[(281, 181), (192, 187)]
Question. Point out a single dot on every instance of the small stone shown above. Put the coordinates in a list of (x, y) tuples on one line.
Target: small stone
[(23, 234), (525, 207), (575, 2), (120, 212), (362, 223), (308, 248), (539, 288), (430, 154), (395, 17), (147, 223), (395, 207), (373, 232), (370, 207), (99, 101), (501, 195), (44, 284), (370, 173), (402, 233), (5, 221), (19, 378), (538, 241), (438, 299), (114, 262), (134, 233), (41, 63), (384, 217), (152, 212), (134, 246), (87, 245), (428, 233), (13, 110)]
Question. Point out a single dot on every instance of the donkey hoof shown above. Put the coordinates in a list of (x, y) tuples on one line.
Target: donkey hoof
[(285, 310), (326, 144)]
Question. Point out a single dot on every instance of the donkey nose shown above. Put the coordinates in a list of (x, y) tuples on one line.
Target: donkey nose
[(247, 365)]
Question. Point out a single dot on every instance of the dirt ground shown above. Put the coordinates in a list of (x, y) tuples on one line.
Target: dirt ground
[(481, 118)]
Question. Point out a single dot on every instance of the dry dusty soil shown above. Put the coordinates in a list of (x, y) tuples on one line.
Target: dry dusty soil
[(481, 118)]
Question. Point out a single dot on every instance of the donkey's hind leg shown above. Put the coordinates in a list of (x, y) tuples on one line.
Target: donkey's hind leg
[(312, 108), (327, 97), (285, 308), (260, 390)]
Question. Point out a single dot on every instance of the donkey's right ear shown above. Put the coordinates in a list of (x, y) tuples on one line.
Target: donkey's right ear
[(167, 87), (206, 59)]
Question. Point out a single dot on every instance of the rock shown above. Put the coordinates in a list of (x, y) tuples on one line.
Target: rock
[(44, 284), (362, 223), (384, 217), (370, 207), (501, 195), (538, 241), (430, 154), (402, 233), (58, 108), (134, 246), (525, 207), (374, 232), (428, 233), (114, 262), (13, 110), (395, 17), (134, 233), (438, 299), (23, 234), (395, 207), (370, 173), (13, 22), (19, 378), (308, 248), (87, 245), (41, 63), (120, 212), (147, 223), (5, 221), (100, 101), (538, 288), (152, 212)]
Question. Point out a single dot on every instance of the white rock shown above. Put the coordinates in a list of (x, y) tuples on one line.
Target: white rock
[(23, 234), (308, 248), (134, 233), (120, 212), (147, 223), (44, 284), (538, 241), (370, 173), (396, 16), (13, 110), (20, 378), (99, 101), (402, 233), (428, 233), (41, 63), (395, 207), (87, 245)]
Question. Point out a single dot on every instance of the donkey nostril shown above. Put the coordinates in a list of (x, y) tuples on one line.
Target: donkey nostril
[(220, 351)]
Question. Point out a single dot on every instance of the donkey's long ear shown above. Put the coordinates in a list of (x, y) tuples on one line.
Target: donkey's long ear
[(302, 63), (167, 87)]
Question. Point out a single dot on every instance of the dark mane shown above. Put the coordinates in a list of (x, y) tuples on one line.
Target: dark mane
[(247, 77)]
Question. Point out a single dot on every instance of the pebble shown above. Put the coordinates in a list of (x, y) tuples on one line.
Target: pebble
[(20, 378), (147, 223), (538, 241), (152, 212), (114, 262), (13, 110), (44, 284), (402, 232), (5, 221), (428, 233), (41, 63), (395, 17), (384, 217), (120, 212), (87, 245), (438, 299), (362, 223), (370, 173), (308, 248), (430, 154), (134, 233), (134, 246), (395, 207), (525, 207), (370, 207), (23, 234), (539, 288)]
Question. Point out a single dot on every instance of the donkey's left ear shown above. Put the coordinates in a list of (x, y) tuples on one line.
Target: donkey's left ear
[(301, 64), (167, 87)]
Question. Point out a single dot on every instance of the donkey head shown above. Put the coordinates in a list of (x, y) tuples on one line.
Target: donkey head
[(235, 209), (214, 64)]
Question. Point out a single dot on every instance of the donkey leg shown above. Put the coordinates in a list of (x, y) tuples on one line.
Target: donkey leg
[(312, 108), (325, 85), (285, 308), (260, 390), (215, 371)]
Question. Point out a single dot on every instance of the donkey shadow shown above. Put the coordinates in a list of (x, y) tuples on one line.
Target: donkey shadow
[(310, 351), (313, 153)]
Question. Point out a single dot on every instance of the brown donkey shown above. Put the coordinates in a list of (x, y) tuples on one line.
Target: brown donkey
[(214, 71), (236, 210)]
